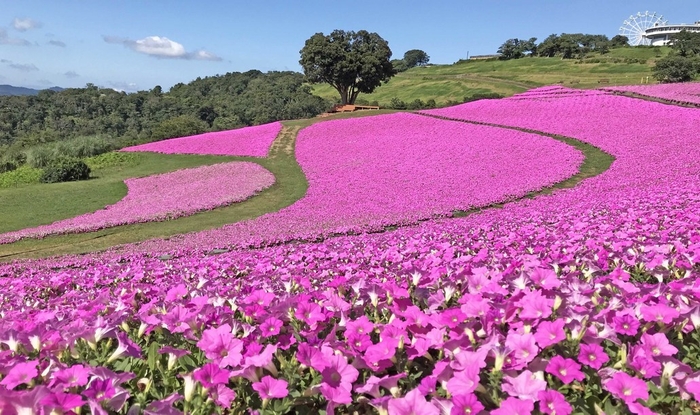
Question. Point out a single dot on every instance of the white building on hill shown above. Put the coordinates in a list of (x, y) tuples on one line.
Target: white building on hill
[(660, 35)]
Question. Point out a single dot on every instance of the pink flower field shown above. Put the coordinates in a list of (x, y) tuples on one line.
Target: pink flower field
[(371, 172), (688, 92), (248, 141), (163, 197), (585, 300)]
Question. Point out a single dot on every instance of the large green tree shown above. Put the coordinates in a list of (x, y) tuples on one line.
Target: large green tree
[(416, 57), (351, 62)]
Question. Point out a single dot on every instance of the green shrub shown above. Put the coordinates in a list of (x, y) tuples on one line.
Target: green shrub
[(40, 157), (112, 159), (397, 104), (66, 170), (21, 176)]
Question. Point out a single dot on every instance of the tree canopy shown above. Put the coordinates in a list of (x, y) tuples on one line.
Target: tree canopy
[(415, 57), (684, 63), (213, 103), (565, 45), (351, 62)]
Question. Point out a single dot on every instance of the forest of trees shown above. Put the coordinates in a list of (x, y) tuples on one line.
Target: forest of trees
[(206, 104), (565, 46)]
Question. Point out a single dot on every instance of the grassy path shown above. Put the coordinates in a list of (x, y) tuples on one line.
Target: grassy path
[(290, 185)]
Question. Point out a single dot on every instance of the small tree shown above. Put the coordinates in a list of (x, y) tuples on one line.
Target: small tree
[(511, 49), (686, 43), (619, 41), (415, 57), (351, 62), (674, 69)]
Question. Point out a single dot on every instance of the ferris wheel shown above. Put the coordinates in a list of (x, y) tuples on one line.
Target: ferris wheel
[(637, 24)]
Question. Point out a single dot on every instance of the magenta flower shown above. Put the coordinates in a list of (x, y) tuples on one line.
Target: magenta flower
[(515, 406), (223, 396), (220, 345), (553, 403), (535, 306), (593, 355), (337, 372), (464, 382), (626, 324), (100, 389), (211, 375), (567, 370), (384, 350), (76, 375), (358, 327), (62, 401), (523, 348), (125, 348), (550, 332), (271, 326), (660, 313), (466, 404), (639, 409), (269, 387), (693, 387), (452, 317), (657, 345), (413, 403), (20, 374), (626, 388), (526, 385), (309, 312)]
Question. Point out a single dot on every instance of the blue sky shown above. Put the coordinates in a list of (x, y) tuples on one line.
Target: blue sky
[(135, 45)]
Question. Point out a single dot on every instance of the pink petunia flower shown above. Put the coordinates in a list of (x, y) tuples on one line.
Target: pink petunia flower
[(554, 403), (271, 326), (413, 403), (523, 347), (515, 406), (76, 375), (639, 409), (269, 387), (626, 388), (693, 387), (464, 382), (466, 404), (567, 370), (593, 355), (550, 332), (309, 312), (657, 345), (62, 401), (21, 373), (220, 345), (526, 385), (659, 313), (626, 323), (211, 375), (535, 306)]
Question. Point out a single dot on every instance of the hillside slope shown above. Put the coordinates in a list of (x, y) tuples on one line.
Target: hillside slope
[(444, 83)]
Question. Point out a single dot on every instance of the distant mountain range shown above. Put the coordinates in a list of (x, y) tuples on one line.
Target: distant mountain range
[(18, 90)]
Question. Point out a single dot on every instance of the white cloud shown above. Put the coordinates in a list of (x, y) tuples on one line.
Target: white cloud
[(7, 40), (24, 67), (162, 47), (71, 74), (25, 24), (123, 86), (57, 43)]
